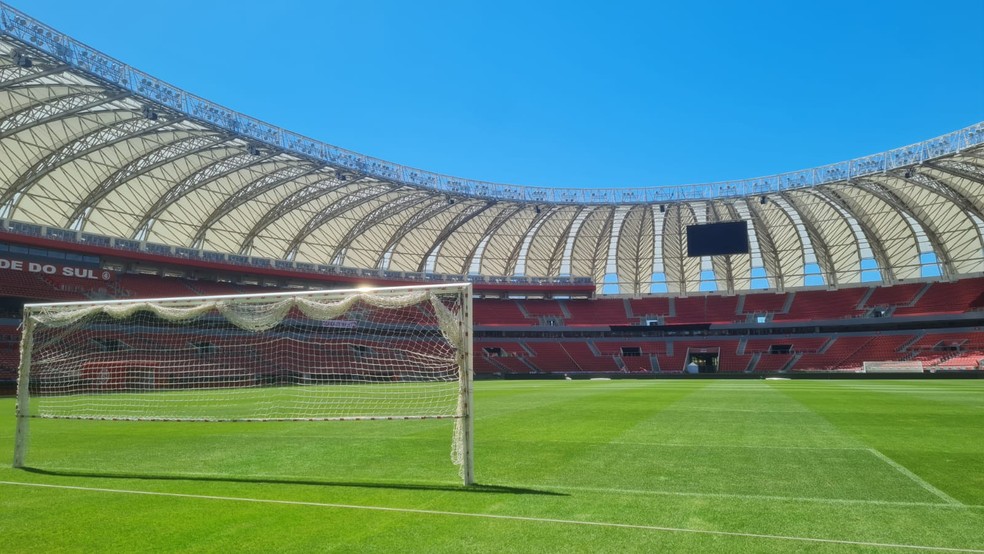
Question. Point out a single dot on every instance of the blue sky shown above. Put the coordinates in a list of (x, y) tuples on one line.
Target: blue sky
[(572, 93)]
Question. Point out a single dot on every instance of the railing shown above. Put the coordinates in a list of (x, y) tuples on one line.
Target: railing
[(84, 58)]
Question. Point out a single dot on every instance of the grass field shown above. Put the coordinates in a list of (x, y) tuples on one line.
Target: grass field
[(563, 466)]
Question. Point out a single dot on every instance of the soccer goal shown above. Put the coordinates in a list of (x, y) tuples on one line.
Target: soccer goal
[(400, 353), (914, 366)]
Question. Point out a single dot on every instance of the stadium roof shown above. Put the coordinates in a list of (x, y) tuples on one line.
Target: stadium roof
[(90, 144)]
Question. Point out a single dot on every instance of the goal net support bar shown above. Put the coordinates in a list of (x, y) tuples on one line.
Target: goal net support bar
[(398, 353)]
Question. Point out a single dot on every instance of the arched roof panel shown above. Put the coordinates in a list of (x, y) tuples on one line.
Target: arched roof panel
[(835, 239), (634, 257)]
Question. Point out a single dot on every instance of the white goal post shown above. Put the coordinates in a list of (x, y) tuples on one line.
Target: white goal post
[(396, 353)]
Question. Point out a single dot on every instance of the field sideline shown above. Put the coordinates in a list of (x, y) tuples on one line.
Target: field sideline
[(563, 466)]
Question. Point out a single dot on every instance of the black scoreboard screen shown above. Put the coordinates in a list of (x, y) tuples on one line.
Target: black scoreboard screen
[(717, 239)]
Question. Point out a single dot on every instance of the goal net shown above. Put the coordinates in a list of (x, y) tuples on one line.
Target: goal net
[(401, 353), (915, 366)]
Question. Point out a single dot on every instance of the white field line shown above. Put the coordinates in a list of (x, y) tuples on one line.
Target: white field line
[(684, 445), (690, 409), (501, 517), (915, 478), (761, 497), (859, 386)]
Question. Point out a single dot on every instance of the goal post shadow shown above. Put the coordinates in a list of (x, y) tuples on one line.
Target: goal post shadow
[(484, 488)]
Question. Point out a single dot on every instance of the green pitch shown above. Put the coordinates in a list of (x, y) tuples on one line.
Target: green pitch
[(563, 466)]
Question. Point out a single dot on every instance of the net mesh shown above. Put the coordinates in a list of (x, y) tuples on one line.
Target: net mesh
[(326, 356)]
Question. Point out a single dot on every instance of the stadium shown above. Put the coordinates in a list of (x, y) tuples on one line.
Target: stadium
[(651, 365)]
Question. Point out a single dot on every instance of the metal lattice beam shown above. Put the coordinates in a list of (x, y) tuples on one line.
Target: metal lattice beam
[(346, 203), (52, 111), (158, 157), (254, 189), (469, 213), (381, 214), (201, 178), (293, 202)]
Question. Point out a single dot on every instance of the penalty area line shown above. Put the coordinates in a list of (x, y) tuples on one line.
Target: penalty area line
[(915, 478), (500, 517)]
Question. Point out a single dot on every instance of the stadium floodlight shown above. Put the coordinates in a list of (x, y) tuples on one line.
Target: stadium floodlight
[(21, 59), (399, 353)]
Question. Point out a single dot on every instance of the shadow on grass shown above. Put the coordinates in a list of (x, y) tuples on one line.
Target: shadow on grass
[(476, 488)]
